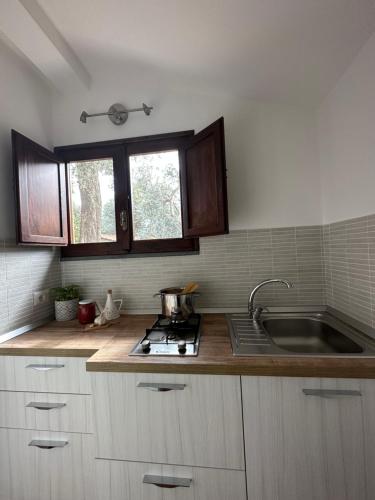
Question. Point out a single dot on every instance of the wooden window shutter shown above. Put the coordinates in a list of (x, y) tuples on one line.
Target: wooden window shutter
[(40, 184), (204, 185)]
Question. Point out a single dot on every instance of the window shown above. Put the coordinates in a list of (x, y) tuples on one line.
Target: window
[(92, 201), (144, 195), (156, 195)]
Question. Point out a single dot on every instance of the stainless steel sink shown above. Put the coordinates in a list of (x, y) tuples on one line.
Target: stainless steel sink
[(317, 333), (309, 335)]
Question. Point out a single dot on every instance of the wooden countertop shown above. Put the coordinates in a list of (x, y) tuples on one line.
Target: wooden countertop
[(108, 350)]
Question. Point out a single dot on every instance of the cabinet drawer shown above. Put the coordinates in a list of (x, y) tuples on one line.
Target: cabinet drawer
[(44, 374), (45, 466), (46, 411), (118, 480), (177, 419)]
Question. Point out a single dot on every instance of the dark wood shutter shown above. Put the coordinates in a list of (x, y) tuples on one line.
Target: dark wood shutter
[(204, 185), (40, 184)]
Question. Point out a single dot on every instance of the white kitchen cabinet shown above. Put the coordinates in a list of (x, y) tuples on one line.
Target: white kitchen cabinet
[(44, 374), (191, 420), (38, 396), (309, 438), (29, 472), (118, 480)]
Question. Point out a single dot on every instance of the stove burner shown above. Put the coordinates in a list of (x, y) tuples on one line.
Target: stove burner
[(163, 321), (166, 338), (156, 336)]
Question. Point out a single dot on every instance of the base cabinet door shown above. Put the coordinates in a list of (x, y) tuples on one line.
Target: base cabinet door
[(45, 466), (118, 480), (310, 439), (166, 418)]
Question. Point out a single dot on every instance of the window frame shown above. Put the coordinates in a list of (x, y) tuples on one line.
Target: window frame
[(121, 150), (160, 245), (120, 194)]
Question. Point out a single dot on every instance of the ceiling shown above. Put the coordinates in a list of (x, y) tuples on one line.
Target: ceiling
[(285, 50)]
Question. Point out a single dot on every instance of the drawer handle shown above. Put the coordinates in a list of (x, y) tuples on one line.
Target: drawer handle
[(167, 482), (46, 444), (331, 393), (45, 406), (44, 368), (159, 387)]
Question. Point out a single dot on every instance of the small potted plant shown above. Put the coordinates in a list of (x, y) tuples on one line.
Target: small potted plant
[(66, 302)]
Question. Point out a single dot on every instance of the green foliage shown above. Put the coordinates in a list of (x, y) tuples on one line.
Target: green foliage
[(64, 293), (76, 226), (108, 218), (87, 215), (155, 198)]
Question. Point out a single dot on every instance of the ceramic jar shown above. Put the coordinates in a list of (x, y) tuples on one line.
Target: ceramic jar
[(66, 310)]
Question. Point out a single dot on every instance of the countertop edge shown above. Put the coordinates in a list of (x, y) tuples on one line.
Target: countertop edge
[(221, 369), (48, 352)]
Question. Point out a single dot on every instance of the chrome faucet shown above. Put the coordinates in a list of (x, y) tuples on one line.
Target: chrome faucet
[(255, 312)]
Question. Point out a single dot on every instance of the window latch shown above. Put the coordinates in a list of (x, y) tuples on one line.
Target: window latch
[(124, 220)]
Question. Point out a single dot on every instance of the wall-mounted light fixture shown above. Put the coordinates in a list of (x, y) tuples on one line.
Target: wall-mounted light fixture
[(117, 113)]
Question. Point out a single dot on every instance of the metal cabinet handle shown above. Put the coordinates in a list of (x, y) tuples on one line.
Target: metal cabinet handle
[(159, 387), (46, 444), (44, 368), (167, 482), (45, 406), (331, 393)]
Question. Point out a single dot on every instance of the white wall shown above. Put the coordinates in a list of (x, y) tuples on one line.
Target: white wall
[(347, 141), (26, 107), (273, 175), (273, 179)]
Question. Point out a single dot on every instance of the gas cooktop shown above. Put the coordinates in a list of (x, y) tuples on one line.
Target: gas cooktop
[(167, 338)]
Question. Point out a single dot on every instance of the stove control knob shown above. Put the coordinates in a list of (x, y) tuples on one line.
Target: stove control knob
[(181, 346), (146, 346)]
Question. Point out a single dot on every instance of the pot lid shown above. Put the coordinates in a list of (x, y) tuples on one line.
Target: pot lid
[(174, 291)]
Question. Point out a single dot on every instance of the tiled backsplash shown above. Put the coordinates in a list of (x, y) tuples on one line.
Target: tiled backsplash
[(349, 258), (226, 269), (22, 271), (333, 264)]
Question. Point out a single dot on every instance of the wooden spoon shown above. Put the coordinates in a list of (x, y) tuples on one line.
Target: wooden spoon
[(190, 287)]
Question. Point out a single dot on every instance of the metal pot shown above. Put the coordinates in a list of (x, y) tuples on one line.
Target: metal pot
[(176, 305)]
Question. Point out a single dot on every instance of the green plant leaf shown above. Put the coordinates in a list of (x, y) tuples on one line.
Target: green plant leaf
[(63, 293)]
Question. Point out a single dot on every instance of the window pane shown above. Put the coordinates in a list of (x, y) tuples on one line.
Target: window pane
[(156, 196), (92, 201)]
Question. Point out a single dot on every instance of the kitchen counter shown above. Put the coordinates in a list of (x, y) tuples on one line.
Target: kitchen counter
[(108, 350)]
